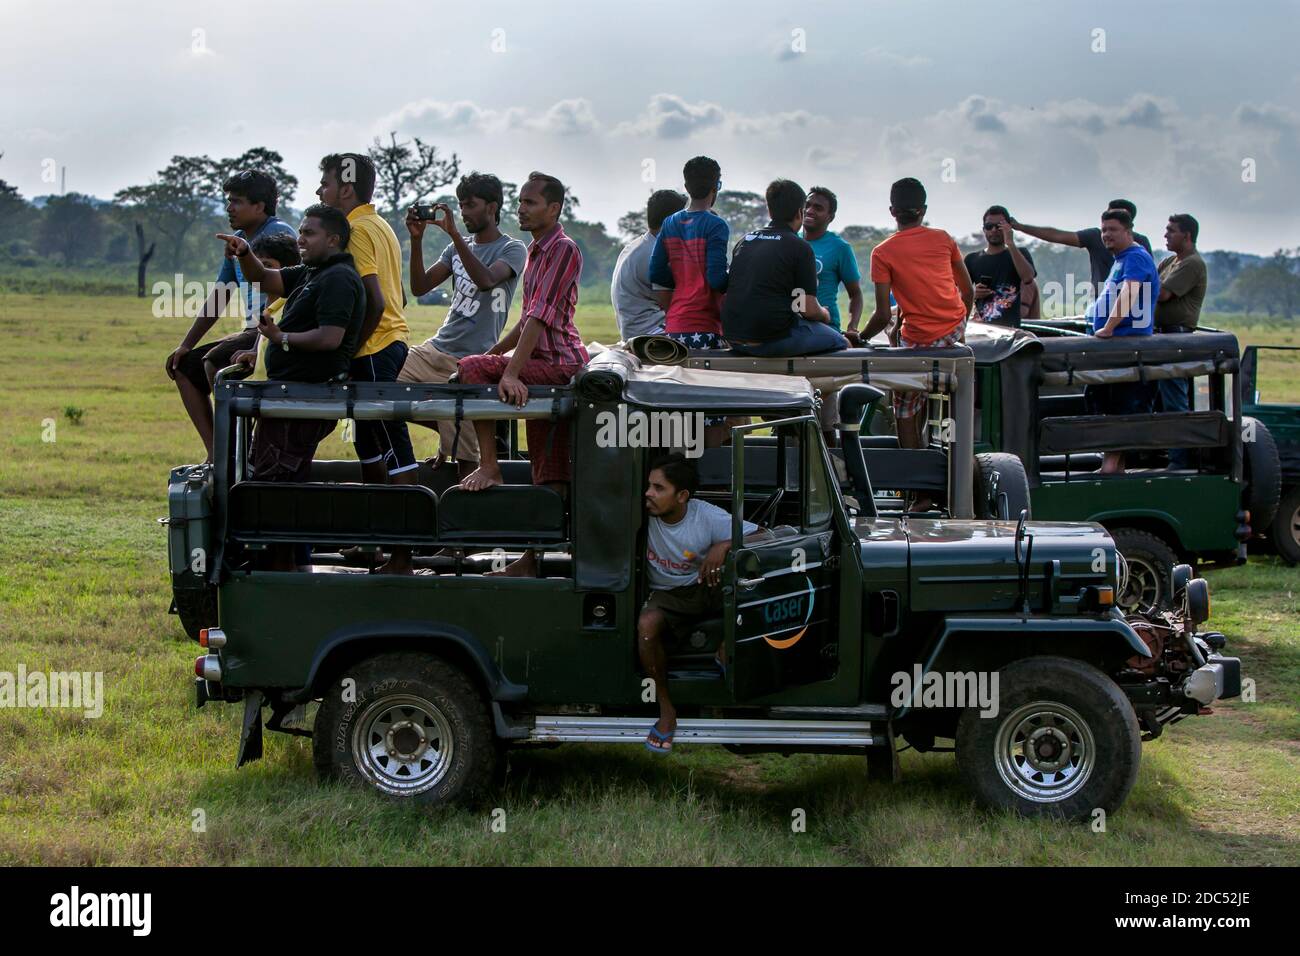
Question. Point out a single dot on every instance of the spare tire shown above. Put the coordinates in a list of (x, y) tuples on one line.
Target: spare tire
[(1001, 487), (1262, 473)]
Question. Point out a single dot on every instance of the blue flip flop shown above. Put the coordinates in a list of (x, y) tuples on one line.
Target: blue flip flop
[(722, 668), (657, 734)]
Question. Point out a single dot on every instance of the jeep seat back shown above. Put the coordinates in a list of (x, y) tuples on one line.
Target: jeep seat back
[(505, 514), (263, 512)]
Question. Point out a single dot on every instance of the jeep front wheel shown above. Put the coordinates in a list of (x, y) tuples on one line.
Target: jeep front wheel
[(1285, 530), (408, 726), (1064, 742), (1150, 563)]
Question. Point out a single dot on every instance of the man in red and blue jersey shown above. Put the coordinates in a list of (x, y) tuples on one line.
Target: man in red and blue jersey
[(689, 264)]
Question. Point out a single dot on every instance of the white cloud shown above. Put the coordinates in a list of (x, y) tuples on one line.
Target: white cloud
[(570, 117), (829, 157), (889, 58), (567, 118), (668, 116)]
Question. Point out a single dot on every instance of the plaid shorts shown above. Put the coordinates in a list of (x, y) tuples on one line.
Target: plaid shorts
[(909, 404)]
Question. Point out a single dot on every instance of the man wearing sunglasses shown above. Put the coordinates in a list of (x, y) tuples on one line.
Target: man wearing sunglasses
[(1000, 271)]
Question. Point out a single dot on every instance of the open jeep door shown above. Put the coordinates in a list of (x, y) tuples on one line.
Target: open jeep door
[(781, 585)]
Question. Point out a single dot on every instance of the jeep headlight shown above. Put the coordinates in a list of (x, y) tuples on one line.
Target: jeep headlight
[(1197, 600)]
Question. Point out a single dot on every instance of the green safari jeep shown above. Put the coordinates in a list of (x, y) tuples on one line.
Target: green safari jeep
[(844, 627), (1282, 420), (1030, 403)]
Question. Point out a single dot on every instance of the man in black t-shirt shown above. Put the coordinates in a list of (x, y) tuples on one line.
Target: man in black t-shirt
[(999, 271), (1099, 256), (318, 332), (771, 308)]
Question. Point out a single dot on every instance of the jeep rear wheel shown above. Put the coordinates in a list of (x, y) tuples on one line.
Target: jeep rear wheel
[(1001, 487), (417, 729), (1150, 563), (1285, 530), (1064, 742)]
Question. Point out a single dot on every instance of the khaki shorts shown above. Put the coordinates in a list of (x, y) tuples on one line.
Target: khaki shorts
[(424, 363), (686, 606)]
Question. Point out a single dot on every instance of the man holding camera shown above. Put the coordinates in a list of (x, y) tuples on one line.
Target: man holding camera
[(484, 270)]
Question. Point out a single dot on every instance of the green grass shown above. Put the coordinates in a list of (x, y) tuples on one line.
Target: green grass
[(83, 586)]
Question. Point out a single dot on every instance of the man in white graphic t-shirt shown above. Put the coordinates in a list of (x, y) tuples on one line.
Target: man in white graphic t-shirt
[(686, 546)]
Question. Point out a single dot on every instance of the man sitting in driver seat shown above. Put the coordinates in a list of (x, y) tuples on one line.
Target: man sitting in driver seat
[(687, 541)]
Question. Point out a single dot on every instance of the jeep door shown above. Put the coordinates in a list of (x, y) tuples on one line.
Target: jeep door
[(780, 605)]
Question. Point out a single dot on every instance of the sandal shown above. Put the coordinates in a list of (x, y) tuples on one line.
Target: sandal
[(665, 745)]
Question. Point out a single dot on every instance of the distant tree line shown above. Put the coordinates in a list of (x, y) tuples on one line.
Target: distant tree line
[(166, 226)]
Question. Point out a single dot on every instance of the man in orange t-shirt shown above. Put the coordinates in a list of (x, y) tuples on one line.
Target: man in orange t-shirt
[(923, 269)]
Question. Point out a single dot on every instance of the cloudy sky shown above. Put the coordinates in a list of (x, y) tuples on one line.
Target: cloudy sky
[(1047, 106)]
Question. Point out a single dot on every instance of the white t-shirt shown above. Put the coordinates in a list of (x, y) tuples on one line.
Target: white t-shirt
[(675, 552)]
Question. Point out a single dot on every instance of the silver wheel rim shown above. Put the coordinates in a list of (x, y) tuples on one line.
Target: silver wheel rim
[(1144, 587), (1045, 752), (1295, 525), (402, 744)]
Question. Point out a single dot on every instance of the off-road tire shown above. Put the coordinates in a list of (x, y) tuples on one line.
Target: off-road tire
[(1144, 550), (1087, 725), (1284, 532), (1012, 481), (1262, 473), (418, 689)]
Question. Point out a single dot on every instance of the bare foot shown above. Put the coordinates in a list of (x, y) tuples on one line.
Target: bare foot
[(525, 567), (1111, 464), (482, 478)]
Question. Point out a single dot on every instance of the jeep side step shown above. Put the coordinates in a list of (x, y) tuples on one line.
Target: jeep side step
[(633, 730)]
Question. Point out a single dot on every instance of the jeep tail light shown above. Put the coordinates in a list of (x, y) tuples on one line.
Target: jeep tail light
[(212, 637), (208, 667)]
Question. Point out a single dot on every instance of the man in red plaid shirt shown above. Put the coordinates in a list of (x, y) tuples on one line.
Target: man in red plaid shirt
[(547, 349)]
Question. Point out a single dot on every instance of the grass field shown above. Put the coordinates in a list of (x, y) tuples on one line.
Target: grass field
[(83, 586)]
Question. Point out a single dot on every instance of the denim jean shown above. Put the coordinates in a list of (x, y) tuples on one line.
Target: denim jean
[(805, 337), (1174, 397)]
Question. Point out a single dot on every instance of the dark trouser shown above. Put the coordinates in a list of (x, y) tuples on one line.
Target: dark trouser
[(1175, 396), (283, 448), (805, 337), (389, 442)]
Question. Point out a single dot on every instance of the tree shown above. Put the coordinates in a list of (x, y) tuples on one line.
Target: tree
[(16, 213), (180, 195), (1273, 285), (632, 223), (262, 160), (744, 212), (188, 190), (71, 227), (408, 172)]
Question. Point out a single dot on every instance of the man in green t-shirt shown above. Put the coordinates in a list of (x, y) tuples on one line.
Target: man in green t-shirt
[(1183, 280)]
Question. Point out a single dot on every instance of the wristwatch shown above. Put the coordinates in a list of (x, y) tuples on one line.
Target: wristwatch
[(284, 341)]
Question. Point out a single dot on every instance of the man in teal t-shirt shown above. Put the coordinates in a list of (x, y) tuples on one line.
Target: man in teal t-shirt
[(836, 262)]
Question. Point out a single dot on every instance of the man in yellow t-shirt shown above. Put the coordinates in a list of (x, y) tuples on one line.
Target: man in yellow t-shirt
[(347, 183)]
